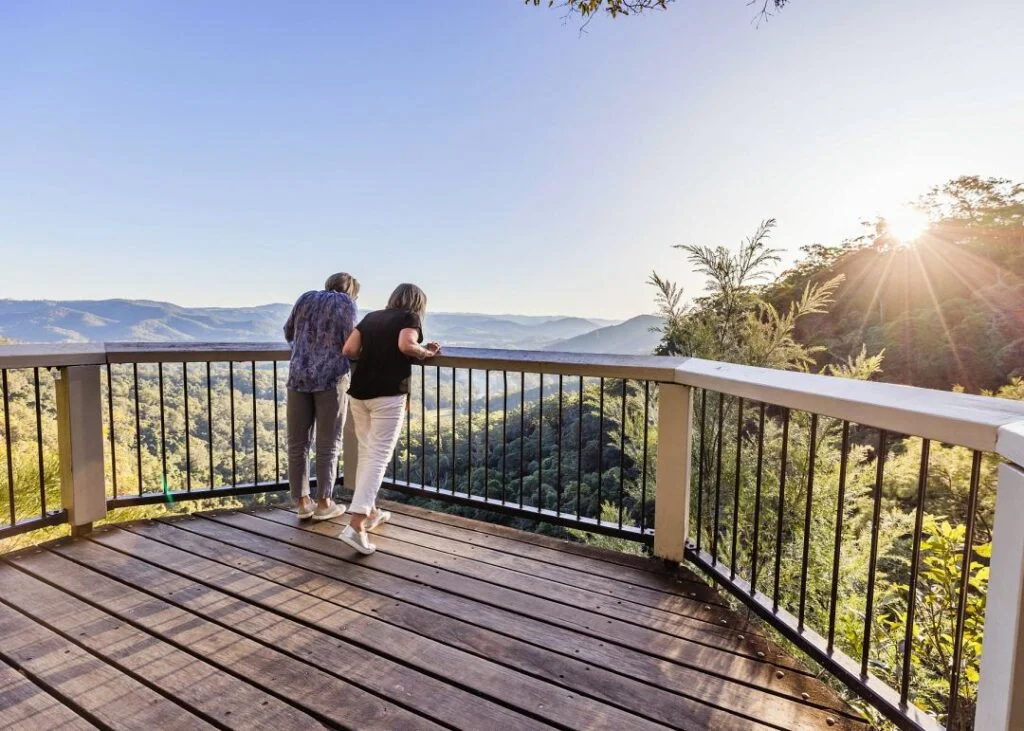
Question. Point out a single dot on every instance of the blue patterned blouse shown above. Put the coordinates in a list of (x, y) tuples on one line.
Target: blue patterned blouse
[(320, 323)]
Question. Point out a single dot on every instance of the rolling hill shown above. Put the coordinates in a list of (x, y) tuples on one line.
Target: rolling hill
[(632, 337)]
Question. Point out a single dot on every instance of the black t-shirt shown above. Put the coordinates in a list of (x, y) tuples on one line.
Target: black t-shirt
[(382, 369)]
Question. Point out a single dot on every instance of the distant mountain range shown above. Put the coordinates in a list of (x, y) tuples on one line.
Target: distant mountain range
[(50, 321)]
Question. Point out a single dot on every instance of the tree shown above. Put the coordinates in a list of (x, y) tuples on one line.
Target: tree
[(587, 9)]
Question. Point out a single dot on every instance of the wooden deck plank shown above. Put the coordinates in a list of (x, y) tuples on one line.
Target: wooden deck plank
[(604, 555), (304, 685), (649, 578), (204, 689), (92, 688), (609, 585), (24, 705), (593, 649), (541, 660), (590, 611), (460, 669), (701, 659)]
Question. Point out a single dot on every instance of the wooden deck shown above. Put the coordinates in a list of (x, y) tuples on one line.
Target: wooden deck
[(253, 619)]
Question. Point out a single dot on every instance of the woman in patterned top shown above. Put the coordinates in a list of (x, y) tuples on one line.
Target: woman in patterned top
[(318, 378)]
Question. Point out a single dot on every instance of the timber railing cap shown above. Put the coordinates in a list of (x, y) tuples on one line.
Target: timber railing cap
[(978, 422)]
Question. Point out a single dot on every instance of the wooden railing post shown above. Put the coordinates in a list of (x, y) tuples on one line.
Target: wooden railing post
[(1001, 686), (672, 497), (80, 434)]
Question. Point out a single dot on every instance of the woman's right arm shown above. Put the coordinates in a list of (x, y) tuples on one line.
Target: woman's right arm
[(407, 343)]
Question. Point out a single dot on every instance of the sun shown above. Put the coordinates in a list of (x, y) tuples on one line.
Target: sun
[(906, 225)]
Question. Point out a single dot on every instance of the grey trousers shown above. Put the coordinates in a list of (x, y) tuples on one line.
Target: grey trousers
[(325, 409)]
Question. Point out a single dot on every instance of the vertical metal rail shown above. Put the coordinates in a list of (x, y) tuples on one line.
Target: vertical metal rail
[(579, 455), (622, 451), (163, 433), (782, 507), (277, 433), (736, 489), (600, 450), (209, 419), (540, 443), (700, 465), (504, 434), (110, 421), (39, 445), (720, 438), (757, 501), (558, 473), (437, 411), (138, 425), (522, 435), (811, 451), (965, 578), (908, 635), (837, 546), (643, 479), (188, 431), (469, 437), (231, 389), (7, 443), (255, 432), (875, 521), (487, 429)]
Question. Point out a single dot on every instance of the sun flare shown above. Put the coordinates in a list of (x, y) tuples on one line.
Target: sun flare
[(906, 225)]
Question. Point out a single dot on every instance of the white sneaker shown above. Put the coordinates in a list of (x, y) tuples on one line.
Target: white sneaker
[(305, 508), (333, 510), (379, 517), (359, 541)]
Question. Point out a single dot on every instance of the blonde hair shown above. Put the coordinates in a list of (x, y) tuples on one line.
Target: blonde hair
[(408, 297), (343, 282)]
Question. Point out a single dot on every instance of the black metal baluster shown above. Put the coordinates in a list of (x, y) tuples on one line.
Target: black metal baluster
[(540, 443), (504, 434), (188, 451), (522, 434), (437, 411), (908, 635), (277, 433), (469, 437), (811, 450), (643, 479), (255, 432), (209, 419), (231, 389), (965, 577), (138, 425), (110, 419), (487, 429), (454, 471), (736, 490), (600, 450), (423, 426), (408, 433), (39, 446), (7, 442), (757, 501), (163, 434), (837, 547), (579, 455), (782, 507), (622, 451), (718, 477), (875, 524), (558, 474), (700, 466)]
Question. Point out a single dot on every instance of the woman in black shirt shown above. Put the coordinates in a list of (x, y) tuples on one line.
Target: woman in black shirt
[(384, 343)]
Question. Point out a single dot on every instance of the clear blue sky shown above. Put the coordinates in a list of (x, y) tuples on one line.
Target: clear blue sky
[(231, 153)]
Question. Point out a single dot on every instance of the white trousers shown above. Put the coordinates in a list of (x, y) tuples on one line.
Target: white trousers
[(378, 423)]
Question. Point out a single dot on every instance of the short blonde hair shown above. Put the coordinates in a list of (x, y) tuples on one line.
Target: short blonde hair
[(343, 282), (408, 297)]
